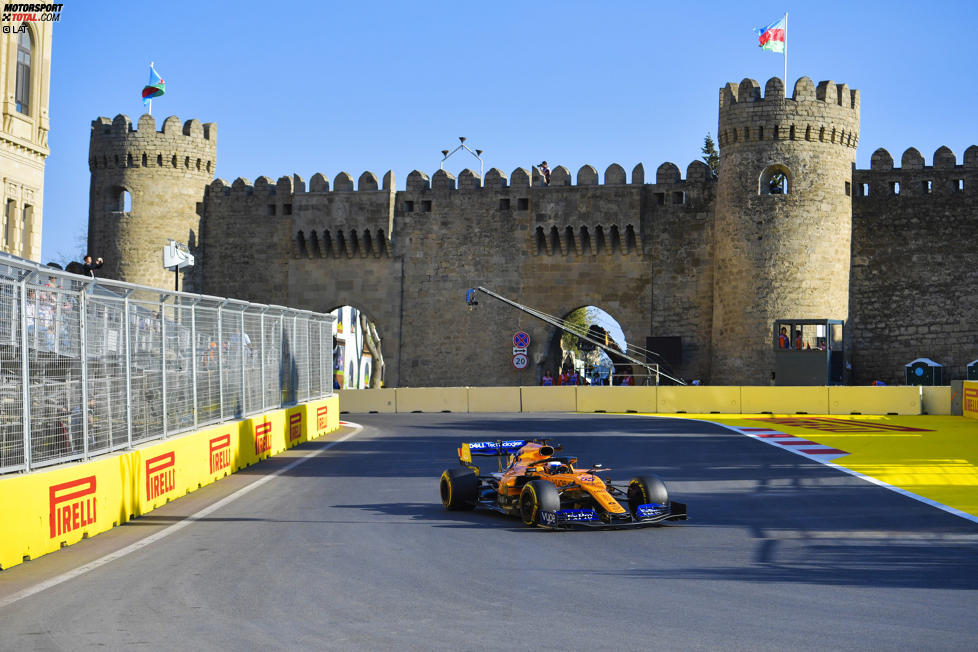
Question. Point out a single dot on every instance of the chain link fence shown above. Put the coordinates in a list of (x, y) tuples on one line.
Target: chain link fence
[(91, 366)]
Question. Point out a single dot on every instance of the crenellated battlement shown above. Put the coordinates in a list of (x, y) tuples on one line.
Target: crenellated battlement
[(914, 178), (187, 147), (827, 113), (467, 180)]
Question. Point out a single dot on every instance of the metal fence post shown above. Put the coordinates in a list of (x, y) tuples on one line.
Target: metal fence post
[(128, 354), (193, 357), (163, 396), (220, 360), (25, 372), (83, 357), (241, 349)]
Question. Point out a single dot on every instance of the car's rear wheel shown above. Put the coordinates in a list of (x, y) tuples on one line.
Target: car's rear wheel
[(459, 489), (538, 496), (646, 490)]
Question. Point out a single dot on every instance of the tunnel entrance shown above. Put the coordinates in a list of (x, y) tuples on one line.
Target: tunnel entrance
[(570, 357)]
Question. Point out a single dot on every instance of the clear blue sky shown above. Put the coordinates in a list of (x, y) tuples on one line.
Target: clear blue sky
[(327, 87)]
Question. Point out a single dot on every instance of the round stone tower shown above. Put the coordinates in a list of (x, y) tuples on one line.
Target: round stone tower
[(783, 217), (145, 190)]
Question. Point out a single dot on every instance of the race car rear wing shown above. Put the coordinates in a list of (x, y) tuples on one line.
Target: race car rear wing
[(497, 448)]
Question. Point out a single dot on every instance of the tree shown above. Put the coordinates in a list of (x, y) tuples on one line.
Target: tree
[(711, 156), (372, 340)]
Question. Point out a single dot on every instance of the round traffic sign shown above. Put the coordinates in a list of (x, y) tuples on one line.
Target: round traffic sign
[(519, 361), (521, 339)]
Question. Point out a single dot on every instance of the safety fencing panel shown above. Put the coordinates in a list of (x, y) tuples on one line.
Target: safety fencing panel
[(91, 366)]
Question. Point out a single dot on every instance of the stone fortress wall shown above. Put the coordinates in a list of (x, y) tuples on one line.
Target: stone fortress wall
[(712, 262)]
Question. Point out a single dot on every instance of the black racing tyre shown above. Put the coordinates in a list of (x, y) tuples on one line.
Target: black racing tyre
[(459, 489), (538, 496), (644, 490)]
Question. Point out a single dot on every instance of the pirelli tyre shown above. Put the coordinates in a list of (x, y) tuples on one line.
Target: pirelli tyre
[(459, 489), (537, 497), (646, 490)]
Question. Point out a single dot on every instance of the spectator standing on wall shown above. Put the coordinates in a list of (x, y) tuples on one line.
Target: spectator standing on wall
[(545, 171), (89, 267)]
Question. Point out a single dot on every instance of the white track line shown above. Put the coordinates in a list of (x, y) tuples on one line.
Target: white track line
[(176, 527), (867, 478)]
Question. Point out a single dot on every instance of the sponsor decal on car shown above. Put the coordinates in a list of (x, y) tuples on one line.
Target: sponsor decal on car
[(577, 515), (650, 510)]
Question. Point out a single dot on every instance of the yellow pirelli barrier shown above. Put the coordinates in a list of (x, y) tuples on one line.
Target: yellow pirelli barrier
[(494, 399), (616, 399), (874, 400), (364, 401), (432, 399), (44, 511), (549, 399), (699, 400), (969, 399), (784, 400)]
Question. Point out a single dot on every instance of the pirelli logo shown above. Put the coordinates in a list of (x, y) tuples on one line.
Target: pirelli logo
[(220, 452), (970, 400), (72, 505), (322, 423), (295, 426), (161, 475), (263, 437)]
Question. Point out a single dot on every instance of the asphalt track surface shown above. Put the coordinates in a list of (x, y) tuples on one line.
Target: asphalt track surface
[(351, 550)]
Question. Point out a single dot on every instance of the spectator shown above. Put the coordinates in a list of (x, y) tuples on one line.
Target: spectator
[(548, 379), (783, 340), (89, 267), (545, 171), (798, 340)]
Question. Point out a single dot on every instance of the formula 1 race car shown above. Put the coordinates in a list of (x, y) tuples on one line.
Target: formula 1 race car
[(546, 490)]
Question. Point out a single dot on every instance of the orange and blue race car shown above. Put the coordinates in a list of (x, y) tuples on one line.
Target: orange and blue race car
[(547, 490)]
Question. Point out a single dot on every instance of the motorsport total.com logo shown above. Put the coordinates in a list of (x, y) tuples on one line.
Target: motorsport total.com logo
[(29, 13)]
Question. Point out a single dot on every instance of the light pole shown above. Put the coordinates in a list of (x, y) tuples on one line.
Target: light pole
[(476, 153)]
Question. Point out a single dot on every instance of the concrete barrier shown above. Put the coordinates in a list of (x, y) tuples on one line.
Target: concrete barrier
[(432, 399), (936, 399), (364, 401), (784, 400), (616, 399), (494, 399), (549, 399), (699, 399), (874, 400), (44, 511)]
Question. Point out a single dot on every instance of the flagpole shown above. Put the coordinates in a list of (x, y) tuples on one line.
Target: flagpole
[(150, 104), (786, 52)]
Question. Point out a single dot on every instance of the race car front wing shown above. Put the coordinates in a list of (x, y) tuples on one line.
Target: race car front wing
[(645, 515)]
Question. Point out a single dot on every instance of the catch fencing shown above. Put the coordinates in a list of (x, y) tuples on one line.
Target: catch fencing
[(89, 366)]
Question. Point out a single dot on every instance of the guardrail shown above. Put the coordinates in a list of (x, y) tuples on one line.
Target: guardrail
[(89, 366)]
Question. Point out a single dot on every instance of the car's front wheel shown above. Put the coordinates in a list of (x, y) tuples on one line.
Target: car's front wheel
[(646, 490), (537, 498)]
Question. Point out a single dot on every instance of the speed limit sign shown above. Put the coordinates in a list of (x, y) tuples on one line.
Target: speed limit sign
[(520, 361)]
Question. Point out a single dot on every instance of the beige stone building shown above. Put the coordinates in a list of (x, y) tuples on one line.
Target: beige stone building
[(25, 76)]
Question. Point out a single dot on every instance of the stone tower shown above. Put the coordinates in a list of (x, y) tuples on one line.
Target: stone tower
[(145, 190), (782, 249)]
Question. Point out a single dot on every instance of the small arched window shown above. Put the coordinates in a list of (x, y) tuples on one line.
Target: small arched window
[(118, 200), (775, 180), (25, 48)]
